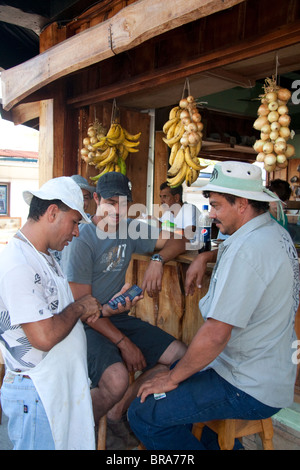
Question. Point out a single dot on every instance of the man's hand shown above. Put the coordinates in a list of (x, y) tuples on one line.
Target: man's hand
[(196, 271), (91, 308), (153, 278), (158, 384), (132, 355), (107, 311)]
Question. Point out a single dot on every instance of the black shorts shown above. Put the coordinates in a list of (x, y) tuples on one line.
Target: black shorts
[(102, 353)]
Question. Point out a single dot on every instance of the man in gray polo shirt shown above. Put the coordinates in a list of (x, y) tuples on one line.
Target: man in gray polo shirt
[(239, 364), (96, 262)]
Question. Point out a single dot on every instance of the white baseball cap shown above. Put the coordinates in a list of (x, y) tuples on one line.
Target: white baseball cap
[(63, 188)]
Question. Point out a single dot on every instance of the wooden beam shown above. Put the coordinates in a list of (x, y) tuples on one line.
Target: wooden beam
[(130, 27), (209, 63)]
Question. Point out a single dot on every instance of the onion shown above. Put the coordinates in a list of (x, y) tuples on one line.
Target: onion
[(86, 141), (258, 146), (192, 127), (184, 114), (84, 151), (281, 158), (186, 121), (274, 135), (184, 140), (275, 126), (190, 99), (260, 122), (285, 132), (283, 109), (264, 136), (266, 129), (193, 138), (280, 147), (290, 151), (273, 116), (284, 120), (263, 110), (94, 140), (268, 147), (200, 126), (196, 117), (91, 132), (271, 96), (273, 105), (270, 159), (282, 165), (260, 157), (183, 103), (269, 168), (284, 94)]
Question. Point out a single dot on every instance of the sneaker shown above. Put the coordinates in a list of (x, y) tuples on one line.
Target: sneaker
[(119, 435)]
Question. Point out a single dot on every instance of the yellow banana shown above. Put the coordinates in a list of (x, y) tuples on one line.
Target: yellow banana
[(172, 130), (179, 178), (195, 149), (174, 112), (129, 143), (176, 137), (122, 151), (173, 152), (168, 124), (129, 136), (102, 143), (117, 140), (195, 175), (189, 160), (132, 149), (188, 177), (177, 164), (95, 178), (114, 131), (111, 156)]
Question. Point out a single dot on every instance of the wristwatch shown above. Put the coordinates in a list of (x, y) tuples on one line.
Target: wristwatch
[(157, 257)]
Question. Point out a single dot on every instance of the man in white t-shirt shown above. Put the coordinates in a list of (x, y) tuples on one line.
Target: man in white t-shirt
[(178, 217), (46, 390)]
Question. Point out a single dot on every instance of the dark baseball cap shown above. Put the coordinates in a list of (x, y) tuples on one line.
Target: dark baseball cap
[(113, 184)]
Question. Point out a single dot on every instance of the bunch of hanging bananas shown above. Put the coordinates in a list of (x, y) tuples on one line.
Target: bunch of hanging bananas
[(184, 136), (112, 149)]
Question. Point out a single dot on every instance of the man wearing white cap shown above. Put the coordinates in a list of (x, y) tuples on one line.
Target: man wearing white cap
[(239, 364), (45, 392)]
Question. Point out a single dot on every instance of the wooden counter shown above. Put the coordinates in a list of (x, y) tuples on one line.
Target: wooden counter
[(171, 309)]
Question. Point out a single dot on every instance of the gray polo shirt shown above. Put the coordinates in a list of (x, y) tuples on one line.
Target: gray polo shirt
[(255, 288), (101, 261)]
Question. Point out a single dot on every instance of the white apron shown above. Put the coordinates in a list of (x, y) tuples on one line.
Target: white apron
[(61, 380)]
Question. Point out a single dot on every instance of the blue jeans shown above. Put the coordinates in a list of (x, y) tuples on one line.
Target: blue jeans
[(166, 424), (28, 425)]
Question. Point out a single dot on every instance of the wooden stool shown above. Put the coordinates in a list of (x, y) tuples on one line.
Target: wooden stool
[(230, 429), (102, 426)]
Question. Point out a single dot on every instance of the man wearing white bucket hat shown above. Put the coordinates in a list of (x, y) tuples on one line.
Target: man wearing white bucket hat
[(45, 393), (239, 364)]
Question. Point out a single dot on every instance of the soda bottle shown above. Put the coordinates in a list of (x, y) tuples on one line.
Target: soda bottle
[(204, 230)]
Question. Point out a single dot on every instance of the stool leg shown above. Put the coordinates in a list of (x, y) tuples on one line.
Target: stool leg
[(197, 430), (267, 434), (226, 434), (101, 441)]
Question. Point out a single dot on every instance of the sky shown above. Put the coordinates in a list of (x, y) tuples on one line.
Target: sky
[(17, 137)]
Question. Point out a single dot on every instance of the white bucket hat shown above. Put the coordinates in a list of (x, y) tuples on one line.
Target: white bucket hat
[(239, 179), (64, 189)]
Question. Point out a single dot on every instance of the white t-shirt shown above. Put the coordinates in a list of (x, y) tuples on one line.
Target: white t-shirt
[(28, 293), (187, 216)]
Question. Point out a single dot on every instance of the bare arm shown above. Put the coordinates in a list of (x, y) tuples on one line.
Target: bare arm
[(207, 344), (45, 334), (168, 248)]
